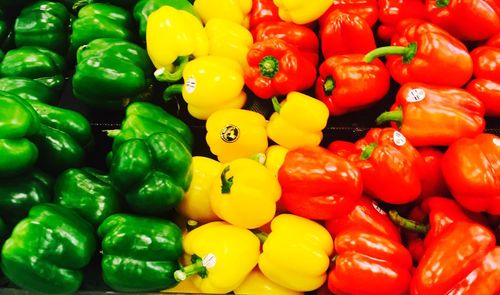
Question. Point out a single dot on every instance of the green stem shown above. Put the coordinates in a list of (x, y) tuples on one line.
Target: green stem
[(80, 3), (171, 91), (261, 235), (163, 75), (408, 53), (259, 157), (112, 133), (329, 85), (393, 116), (269, 66), (408, 224), (226, 183), (191, 224), (190, 270), (367, 151), (442, 3), (276, 104)]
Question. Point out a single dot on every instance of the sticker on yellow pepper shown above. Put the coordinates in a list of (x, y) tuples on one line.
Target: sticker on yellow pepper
[(233, 10), (302, 11), (257, 283)]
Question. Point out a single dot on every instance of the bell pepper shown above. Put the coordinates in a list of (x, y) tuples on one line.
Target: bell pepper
[(245, 194), (257, 283), (35, 63), (430, 115), (488, 92), (433, 183), (21, 193), (112, 72), (344, 33), (494, 40), (346, 83), (222, 255), (211, 83), (366, 9), (186, 286), (233, 134), (263, 11), (48, 250), (45, 24), (296, 253), (18, 121), (195, 204), (297, 121), (275, 156), (471, 168), (165, 25), (233, 10), (277, 68), (369, 263), (144, 8), (302, 12), (391, 12), (88, 192), (423, 52), (28, 89), (302, 37), (318, 184), (390, 166)]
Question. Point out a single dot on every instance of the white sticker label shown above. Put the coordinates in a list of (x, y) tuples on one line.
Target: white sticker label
[(190, 84), (399, 138), (209, 261), (379, 210), (415, 95), (496, 141)]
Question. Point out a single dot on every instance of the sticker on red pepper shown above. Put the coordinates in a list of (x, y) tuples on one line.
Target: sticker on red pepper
[(379, 210), (209, 260), (496, 141), (415, 95), (190, 84), (399, 138), (230, 134)]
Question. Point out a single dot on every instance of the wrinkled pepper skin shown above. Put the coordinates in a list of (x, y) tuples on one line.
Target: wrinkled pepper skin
[(18, 121), (48, 249), (29, 89), (112, 72), (391, 12), (366, 9), (257, 283), (139, 253), (263, 11), (471, 168), (233, 10), (44, 24), (318, 184), (302, 12)]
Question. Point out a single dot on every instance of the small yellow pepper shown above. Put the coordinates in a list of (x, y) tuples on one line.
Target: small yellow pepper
[(229, 39), (275, 156), (296, 253), (245, 194), (234, 10), (257, 283), (302, 11), (233, 134), (298, 121)]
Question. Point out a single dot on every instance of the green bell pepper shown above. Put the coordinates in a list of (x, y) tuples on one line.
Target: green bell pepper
[(111, 72), (88, 192), (48, 249), (44, 24), (37, 63), (29, 89), (144, 8), (21, 193), (18, 121), (139, 253)]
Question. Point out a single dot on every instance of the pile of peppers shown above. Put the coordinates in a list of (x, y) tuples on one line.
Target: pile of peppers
[(226, 171)]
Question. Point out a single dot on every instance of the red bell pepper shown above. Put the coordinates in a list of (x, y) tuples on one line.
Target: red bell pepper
[(277, 68), (471, 20), (317, 184), (390, 166), (435, 115), (494, 41), (471, 168), (367, 9), (423, 52), (391, 12), (299, 36), (488, 92), (344, 33), (346, 83), (263, 11), (433, 183), (370, 264)]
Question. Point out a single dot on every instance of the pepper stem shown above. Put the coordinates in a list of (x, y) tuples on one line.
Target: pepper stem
[(368, 151), (276, 104), (269, 66), (442, 3), (408, 224), (171, 91), (80, 3), (226, 183), (259, 157), (408, 53), (192, 269), (329, 85), (334, 259), (261, 235), (394, 116), (163, 75), (112, 133)]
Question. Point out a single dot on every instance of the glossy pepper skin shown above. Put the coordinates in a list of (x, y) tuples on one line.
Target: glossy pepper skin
[(302, 12), (28, 89), (18, 122), (346, 83), (263, 11), (45, 24), (313, 188), (471, 168), (275, 156), (366, 9), (433, 183), (110, 73), (257, 283), (139, 253), (48, 249), (423, 52), (391, 12), (233, 10), (431, 115), (277, 68), (369, 263)]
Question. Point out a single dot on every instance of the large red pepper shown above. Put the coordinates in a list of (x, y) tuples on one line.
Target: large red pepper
[(277, 68), (391, 12), (494, 41), (263, 11), (317, 184), (433, 183), (390, 166), (344, 33), (367, 9), (488, 92), (423, 52), (471, 168), (346, 83), (435, 115), (466, 19)]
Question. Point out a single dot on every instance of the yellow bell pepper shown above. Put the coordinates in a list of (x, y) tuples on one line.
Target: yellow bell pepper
[(257, 283), (196, 202), (211, 83), (233, 134), (173, 35), (296, 253), (186, 286), (302, 11), (229, 39), (222, 255), (297, 121), (275, 156), (245, 194), (234, 10)]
